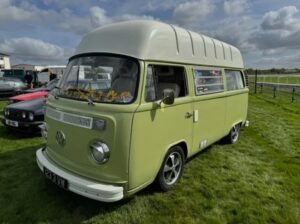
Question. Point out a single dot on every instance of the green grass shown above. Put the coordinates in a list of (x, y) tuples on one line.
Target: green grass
[(256, 180)]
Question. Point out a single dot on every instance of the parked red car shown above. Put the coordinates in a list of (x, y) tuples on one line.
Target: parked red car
[(36, 93), (28, 96)]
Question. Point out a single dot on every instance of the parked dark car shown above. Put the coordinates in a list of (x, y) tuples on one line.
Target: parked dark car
[(25, 116), (11, 86)]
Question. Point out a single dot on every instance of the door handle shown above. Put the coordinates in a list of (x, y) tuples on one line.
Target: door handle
[(188, 115)]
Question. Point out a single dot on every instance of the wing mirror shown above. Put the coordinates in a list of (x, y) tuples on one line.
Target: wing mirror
[(168, 96)]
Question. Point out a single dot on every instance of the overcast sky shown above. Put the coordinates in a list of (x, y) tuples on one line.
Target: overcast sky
[(47, 31)]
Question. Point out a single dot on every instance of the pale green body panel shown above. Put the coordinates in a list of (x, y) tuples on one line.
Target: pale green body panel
[(75, 155), (156, 129), (237, 107), (210, 126)]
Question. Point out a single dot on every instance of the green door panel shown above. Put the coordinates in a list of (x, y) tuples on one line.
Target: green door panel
[(236, 109), (210, 126), (154, 131)]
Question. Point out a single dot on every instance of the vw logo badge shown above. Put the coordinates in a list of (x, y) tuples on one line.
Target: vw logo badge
[(60, 138)]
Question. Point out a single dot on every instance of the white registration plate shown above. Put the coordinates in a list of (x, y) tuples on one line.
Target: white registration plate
[(12, 123), (61, 182)]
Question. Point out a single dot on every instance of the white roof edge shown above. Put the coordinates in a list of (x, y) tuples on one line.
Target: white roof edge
[(157, 41)]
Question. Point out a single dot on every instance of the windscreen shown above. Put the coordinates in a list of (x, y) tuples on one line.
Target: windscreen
[(102, 79)]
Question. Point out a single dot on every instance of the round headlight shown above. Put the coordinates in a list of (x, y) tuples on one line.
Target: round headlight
[(23, 115), (31, 116), (100, 152)]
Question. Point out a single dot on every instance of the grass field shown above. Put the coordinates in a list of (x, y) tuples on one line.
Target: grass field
[(256, 180)]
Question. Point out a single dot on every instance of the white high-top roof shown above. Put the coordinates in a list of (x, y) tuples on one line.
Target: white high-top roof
[(157, 41)]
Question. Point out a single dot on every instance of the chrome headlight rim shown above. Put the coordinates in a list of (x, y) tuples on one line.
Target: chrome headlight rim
[(44, 130), (6, 112), (103, 151), (31, 116), (24, 115)]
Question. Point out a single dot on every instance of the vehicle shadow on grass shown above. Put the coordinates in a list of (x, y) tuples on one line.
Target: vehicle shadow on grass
[(30, 198), (11, 134), (154, 188)]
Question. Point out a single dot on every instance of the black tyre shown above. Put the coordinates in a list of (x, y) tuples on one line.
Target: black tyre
[(171, 169), (233, 135)]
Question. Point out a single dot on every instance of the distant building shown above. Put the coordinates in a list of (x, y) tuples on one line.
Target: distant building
[(4, 61), (28, 67)]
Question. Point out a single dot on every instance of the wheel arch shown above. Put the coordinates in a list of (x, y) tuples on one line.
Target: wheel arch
[(184, 146), (235, 123), (182, 143)]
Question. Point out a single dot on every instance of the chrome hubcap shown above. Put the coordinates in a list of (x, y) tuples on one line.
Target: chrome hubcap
[(235, 133), (172, 168)]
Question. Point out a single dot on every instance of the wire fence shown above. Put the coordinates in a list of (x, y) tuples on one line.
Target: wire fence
[(282, 87)]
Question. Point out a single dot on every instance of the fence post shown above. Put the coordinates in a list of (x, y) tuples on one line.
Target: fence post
[(261, 87), (255, 81), (274, 92), (293, 95)]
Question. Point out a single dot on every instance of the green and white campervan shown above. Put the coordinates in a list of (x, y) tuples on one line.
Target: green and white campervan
[(137, 99)]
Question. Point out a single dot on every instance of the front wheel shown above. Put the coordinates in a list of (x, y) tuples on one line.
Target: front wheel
[(233, 135), (171, 169)]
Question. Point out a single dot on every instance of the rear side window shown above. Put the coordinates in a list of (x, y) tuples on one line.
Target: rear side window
[(160, 77), (208, 81), (234, 80)]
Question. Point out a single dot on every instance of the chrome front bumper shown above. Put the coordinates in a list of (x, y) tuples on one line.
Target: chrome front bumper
[(79, 185)]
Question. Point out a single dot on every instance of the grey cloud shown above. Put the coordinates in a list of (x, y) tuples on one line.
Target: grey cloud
[(276, 39), (64, 3), (236, 32), (27, 13), (29, 48), (235, 7), (65, 19), (127, 17), (98, 17), (283, 19), (190, 13), (279, 29), (145, 6), (10, 13), (278, 59)]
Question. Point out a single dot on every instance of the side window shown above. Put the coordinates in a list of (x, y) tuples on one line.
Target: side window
[(150, 85), (208, 81), (160, 77), (234, 80)]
